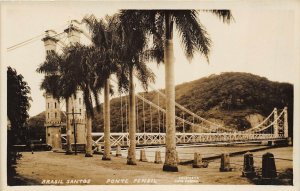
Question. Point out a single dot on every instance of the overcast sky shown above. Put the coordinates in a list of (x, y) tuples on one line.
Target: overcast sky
[(260, 41)]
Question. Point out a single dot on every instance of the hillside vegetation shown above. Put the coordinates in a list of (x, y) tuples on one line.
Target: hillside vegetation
[(227, 99)]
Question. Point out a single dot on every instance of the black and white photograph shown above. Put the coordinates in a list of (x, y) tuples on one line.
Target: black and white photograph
[(144, 95)]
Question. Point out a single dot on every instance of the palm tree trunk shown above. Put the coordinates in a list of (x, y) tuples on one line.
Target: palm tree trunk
[(88, 148), (131, 160), (171, 154), (68, 128), (106, 117)]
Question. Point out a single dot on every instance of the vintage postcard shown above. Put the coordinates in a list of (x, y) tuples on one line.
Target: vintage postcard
[(150, 95)]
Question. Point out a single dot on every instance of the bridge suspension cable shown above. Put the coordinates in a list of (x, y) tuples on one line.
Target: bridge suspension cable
[(176, 104), (271, 124), (164, 111), (261, 123), (194, 116), (190, 112), (33, 39)]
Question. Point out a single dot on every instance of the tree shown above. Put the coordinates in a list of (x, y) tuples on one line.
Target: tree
[(102, 37), (72, 71), (194, 38), (134, 54), (51, 67), (125, 48), (17, 101), (18, 104)]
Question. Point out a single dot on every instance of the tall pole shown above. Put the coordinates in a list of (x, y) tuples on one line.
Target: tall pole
[(285, 123), (74, 126), (158, 114), (121, 114), (275, 126), (68, 129), (183, 128)]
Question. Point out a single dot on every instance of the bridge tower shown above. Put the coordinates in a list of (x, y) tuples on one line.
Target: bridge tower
[(275, 126), (285, 123), (76, 103), (53, 119)]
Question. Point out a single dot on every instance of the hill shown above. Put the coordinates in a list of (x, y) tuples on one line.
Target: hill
[(235, 99)]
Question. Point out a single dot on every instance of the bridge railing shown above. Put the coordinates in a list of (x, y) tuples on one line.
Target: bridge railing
[(181, 138)]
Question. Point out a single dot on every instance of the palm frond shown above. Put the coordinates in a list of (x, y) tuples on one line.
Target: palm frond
[(193, 34), (144, 74), (223, 14), (50, 84), (51, 64)]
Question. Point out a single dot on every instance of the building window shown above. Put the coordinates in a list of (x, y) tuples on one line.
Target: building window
[(79, 101), (48, 105), (55, 115), (55, 105), (80, 111), (48, 115)]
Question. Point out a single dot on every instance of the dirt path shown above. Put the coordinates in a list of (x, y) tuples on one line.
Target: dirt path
[(58, 168)]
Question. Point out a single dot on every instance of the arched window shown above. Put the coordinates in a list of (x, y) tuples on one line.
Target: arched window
[(55, 105)]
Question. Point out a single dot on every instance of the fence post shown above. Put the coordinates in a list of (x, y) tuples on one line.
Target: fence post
[(198, 163), (157, 157), (99, 148), (268, 166), (225, 163), (118, 151), (177, 157), (143, 157), (248, 168)]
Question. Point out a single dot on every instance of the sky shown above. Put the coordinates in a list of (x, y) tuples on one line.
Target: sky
[(261, 41)]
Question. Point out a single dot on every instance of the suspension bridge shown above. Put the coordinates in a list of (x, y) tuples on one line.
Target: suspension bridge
[(190, 127), (272, 128)]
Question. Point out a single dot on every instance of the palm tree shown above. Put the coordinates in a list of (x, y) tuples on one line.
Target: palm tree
[(51, 67), (133, 57), (194, 38), (124, 49), (80, 62), (103, 38), (72, 71)]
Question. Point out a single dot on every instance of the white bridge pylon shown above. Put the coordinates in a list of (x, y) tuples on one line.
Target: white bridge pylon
[(275, 126)]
